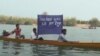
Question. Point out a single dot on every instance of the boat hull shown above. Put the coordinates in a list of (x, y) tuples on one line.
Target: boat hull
[(55, 43)]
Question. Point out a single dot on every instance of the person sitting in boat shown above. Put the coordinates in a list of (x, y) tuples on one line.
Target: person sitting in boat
[(61, 37), (17, 32), (34, 35), (5, 34)]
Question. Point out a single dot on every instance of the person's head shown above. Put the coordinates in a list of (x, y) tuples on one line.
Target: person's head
[(34, 30), (63, 31), (17, 25)]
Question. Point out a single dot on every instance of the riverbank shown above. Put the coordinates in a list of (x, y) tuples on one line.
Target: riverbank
[(82, 25)]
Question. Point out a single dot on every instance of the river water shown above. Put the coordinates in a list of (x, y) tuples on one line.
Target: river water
[(73, 34)]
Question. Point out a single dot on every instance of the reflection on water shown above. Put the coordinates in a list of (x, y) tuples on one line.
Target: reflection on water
[(5, 44), (23, 49), (43, 50), (17, 48), (11, 48)]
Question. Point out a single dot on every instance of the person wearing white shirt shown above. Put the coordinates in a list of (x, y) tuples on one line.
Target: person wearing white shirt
[(34, 34), (61, 37)]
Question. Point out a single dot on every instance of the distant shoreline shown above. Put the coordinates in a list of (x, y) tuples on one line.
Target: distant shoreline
[(82, 25), (72, 21)]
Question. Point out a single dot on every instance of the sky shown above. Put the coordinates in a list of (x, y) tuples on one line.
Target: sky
[(81, 9)]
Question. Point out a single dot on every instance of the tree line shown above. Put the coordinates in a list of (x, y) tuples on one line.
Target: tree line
[(72, 21), (15, 20)]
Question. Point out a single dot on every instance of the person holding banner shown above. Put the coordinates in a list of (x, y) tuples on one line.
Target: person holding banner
[(61, 37)]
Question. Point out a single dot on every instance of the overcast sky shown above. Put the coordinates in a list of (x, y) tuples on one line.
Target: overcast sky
[(81, 9)]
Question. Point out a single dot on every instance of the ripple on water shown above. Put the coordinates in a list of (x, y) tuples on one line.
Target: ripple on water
[(23, 49)]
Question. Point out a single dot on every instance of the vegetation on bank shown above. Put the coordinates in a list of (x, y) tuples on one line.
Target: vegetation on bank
[(72, 21), (15, 20)]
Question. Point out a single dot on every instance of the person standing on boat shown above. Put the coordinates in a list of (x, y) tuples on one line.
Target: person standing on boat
[(61, 37), (17, 31)]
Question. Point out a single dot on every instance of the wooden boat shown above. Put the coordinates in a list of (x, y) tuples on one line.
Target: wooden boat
[(55, 43)]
